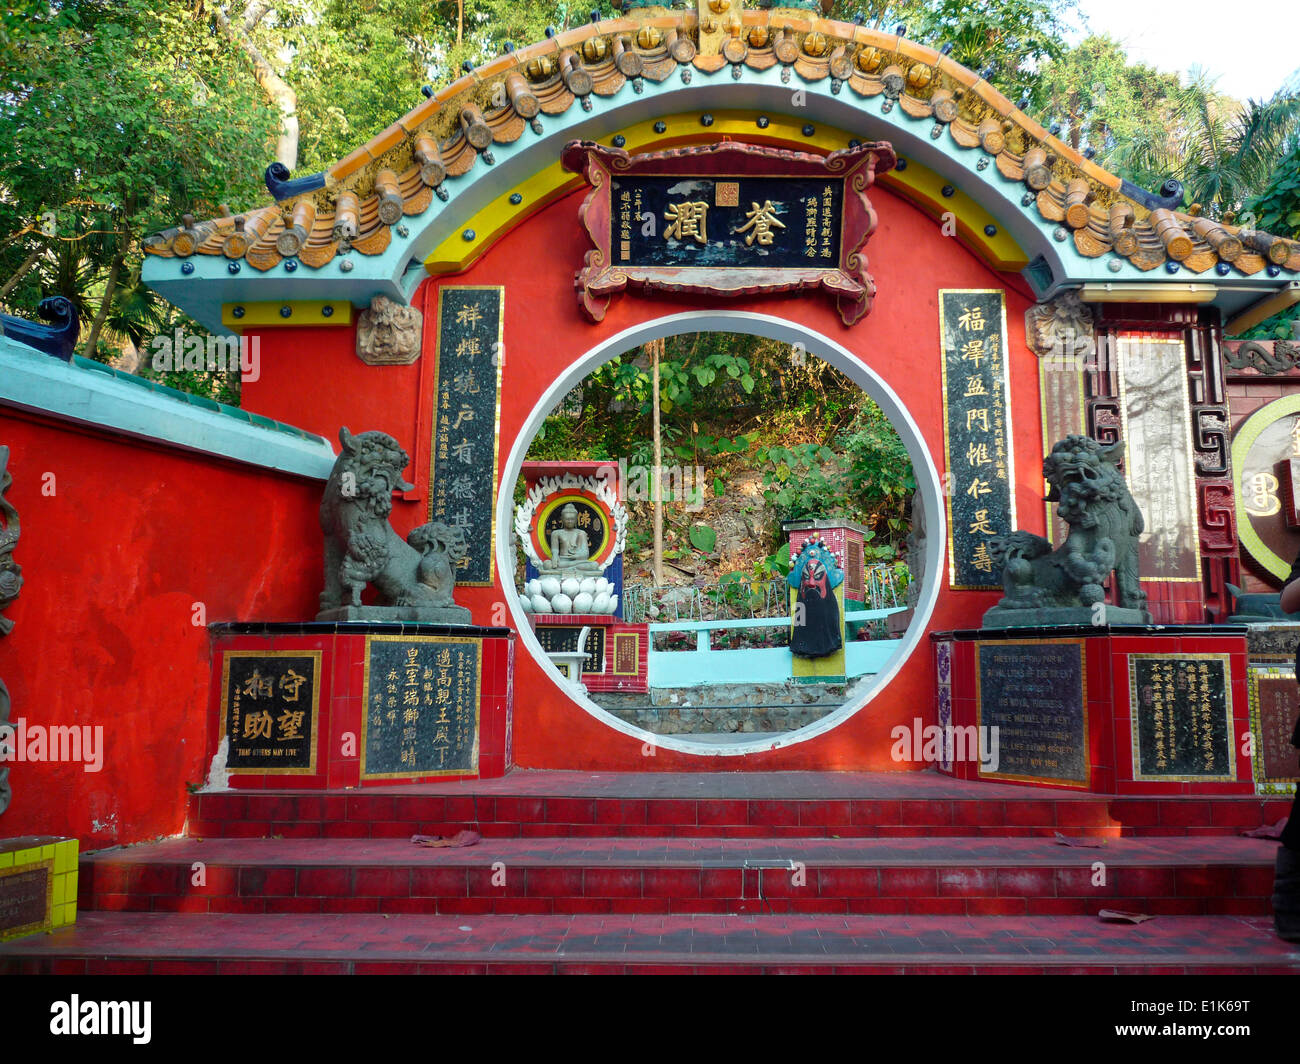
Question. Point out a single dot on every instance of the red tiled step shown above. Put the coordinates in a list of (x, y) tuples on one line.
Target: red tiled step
[(724, 804), (958, 876), (172, 943)]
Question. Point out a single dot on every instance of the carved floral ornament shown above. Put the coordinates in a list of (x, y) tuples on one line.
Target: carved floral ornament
[(1062, 327)]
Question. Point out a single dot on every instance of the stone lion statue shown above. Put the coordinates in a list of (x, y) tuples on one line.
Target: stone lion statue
[(1045, 586), (361, 547), (388, 333)]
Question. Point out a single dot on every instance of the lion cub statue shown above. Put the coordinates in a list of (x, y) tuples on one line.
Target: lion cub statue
[(413, 578), (1065, 586)]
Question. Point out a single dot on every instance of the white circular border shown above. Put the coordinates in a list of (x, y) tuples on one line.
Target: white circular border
[(814, 343)]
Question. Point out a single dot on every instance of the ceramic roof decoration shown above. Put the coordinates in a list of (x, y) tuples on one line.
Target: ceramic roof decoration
[(358, 203)]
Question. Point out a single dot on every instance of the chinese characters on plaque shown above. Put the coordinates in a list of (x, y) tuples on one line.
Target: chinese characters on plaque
[(270, 704), (747, 222), (421, 706), (462, 473), (1272, 719), (1033, 693), (564, 639), (727, 219), (973, 327), (1182, 715)]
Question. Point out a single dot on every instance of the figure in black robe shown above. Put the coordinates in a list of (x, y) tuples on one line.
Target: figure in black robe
[(820, 633)]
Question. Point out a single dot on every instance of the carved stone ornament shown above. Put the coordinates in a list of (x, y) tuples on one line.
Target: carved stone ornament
[(11, 582), (414, 578), (1269, 357), (1062, 327), (1064, 586), (388, 333)]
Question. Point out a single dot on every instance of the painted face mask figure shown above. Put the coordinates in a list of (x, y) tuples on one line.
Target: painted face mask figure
[(815, 578)]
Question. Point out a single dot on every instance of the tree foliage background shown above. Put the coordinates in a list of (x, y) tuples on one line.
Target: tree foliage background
[(119, 116)]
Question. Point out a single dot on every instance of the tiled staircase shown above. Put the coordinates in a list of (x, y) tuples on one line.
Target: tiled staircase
[(684, 872)]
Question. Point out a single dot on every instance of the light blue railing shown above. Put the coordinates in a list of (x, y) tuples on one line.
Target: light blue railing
[(704, 664)]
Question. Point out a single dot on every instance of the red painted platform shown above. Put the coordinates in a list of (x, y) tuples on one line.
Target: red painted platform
[(965, 876), (728, 804), (175, 944), (742, 872)]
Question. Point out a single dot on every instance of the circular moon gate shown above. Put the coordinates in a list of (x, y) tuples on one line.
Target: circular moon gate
[(929, 494)]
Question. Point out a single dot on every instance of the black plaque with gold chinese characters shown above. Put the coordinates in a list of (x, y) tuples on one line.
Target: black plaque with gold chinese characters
[(738, 222), (1032, 695), (271, 710), (977, 432), (563, 638), (422, 706), (1182, 717), (467, 415), (728, 219)]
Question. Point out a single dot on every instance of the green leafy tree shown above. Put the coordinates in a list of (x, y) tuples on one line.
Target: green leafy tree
[(1102, 100), (1277, 210), (114, 120), (1223, 152)]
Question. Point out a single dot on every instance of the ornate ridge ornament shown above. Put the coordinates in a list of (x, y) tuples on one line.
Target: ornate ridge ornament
[(790, 221), (11, 582), (412, 159), (388, 333)]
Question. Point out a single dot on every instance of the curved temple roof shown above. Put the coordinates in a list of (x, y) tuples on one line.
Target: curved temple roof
[(369, 194)]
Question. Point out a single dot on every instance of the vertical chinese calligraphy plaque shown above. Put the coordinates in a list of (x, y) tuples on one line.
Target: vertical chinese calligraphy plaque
[(1272, 720), (270, 707), (1181, 711), (467, 421), (410, 727), (976, 432), (1034, 693)]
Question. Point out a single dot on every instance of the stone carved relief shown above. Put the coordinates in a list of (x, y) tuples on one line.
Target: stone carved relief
[(1268, 357), (11, 582), (388, 334), (1062, 327)]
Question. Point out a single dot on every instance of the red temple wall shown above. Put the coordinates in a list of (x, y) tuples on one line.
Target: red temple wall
[(113, 562), (313, 378)]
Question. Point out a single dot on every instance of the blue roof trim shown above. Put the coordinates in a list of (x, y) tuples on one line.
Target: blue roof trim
[(282, 187), (59, 338)]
